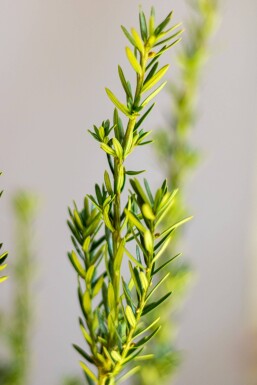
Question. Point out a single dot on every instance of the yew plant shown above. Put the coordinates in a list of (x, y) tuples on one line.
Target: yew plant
[(120, 229), (3, 256)]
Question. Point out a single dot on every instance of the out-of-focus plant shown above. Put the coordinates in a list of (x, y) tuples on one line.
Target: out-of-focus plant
[(16, 324), (3, 256), (72, 380), (114, 308), (178, 158)]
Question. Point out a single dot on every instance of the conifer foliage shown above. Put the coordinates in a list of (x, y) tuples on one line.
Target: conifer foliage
[(119, 228)]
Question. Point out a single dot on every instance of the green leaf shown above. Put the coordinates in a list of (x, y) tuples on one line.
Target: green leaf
[(143, 25), (99, 255), (3, 256), (157, 286), (119, 255), (111, 297), (145, 357), (88, 372), (105, 297), (133, 259), (118, 148), (2, 267), (165, 264), (148, 190), (163, 24), (133, 61), (140, 121), (94, 226), (99, 194), (135, 279), (118, 122), (111, 324), (139, 190), (89, 274), (128, 374), (78, 220), (163, 204), (117, 103), (155, 304), (144, 340), (128, 144), (116, 356), (138, 254), (124, 83), (107, 354), (134, 172), (83, 353), (107, 219), (98, 286), (148, 240), (151, 21), (148, 212), (147, 328), (164, 245), (176, 225), (151, 73), (128, 36), (144, 281), (101, 133), (107, 149), (132, 218), (107, 182), (138, 41), (110, 162), (86, 244), (92, 199), (87, 302), (141, 246), (153, 94), (155, 79), (133, 355), (130, 316), (127, 294), (85, 334), (175, 26), (145, 143), (76, 264), (170, 37)]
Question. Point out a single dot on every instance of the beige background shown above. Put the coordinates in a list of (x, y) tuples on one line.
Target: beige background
[(56, 58)]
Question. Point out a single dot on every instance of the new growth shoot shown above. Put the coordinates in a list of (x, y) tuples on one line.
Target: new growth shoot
[(109, 235)]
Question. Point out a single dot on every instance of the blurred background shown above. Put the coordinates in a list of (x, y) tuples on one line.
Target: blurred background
[(56, 58)]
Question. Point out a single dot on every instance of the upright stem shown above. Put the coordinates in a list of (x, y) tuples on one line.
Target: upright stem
[(102, 379), (116, 234), (130, 337), (116, 237), (118, 164)]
